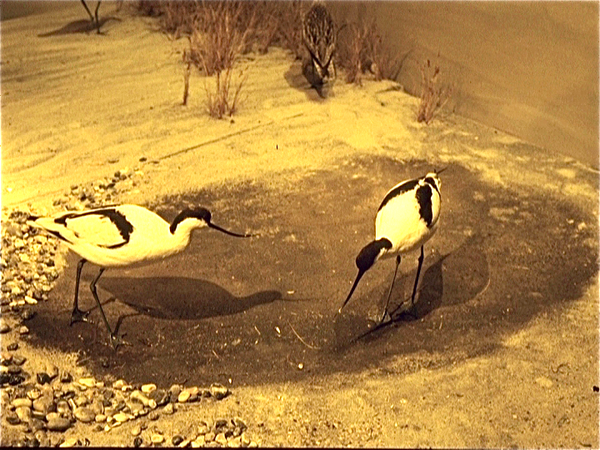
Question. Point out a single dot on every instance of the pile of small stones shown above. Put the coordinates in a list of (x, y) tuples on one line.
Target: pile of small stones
[(99, 193), (54, 402), (49, 404)]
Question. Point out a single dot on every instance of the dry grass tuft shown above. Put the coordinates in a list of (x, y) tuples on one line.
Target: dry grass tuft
[(221, 32), (434, 93), (352, 53), (288, 17), (223, 100), (362, 50)]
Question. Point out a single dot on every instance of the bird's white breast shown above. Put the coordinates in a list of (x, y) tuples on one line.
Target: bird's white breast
[(401, 221)]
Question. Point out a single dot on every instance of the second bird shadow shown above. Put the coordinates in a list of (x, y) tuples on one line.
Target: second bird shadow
[(180, 298)]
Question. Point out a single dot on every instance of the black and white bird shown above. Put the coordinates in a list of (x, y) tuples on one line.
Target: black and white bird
[(318, 34), (406, 219), (122, 236)]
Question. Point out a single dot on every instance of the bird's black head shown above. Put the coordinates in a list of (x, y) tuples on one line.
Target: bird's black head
[(371, 253), (199, 213), (365, 260)]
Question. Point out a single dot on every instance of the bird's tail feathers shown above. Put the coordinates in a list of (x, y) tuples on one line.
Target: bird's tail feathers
[(49, 224)]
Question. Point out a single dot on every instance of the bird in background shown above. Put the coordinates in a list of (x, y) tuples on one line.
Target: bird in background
[(319, 37), (406, 219), (122, 236)]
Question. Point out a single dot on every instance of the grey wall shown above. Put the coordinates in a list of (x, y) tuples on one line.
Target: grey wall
[(527, 68)]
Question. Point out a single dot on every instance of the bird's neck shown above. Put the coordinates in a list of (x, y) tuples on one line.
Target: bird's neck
[(182, 233)]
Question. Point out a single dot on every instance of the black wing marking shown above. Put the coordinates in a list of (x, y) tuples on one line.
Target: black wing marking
[(432, 183), (92, 225), (424, 194), (398, 190)]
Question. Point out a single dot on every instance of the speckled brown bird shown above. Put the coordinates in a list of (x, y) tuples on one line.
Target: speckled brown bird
[(318, 33)]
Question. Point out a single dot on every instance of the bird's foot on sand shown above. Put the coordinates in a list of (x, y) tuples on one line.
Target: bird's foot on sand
[(79, 316)]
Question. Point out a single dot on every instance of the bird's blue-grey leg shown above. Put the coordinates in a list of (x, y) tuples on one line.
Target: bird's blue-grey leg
[(96, 14), (114, 339), (387, 302), (88, 10), (414, 294), (78, 315)]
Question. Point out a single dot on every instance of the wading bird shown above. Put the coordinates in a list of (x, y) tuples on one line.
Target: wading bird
[(406, 219), (319, 38), (122, 236)]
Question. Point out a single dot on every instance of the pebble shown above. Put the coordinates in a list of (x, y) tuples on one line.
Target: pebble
[(138, 441), (43, 404), (136, 430), (84, 414), (80, 400), (27, 314), (19, 402), (203, 427), (239, 423), (12, 346), (87, 382), (52, 371), (23, 413), (148, 388), (70, 442), (66, 377), (160, 397), (119, 384), (153, 415), (157, 438), (23, 330), (220, 423), (18, 360), (544, 382), (219, 391), (199, 441), (183, 396), (42, 438), (169, 409), (34, 394), (141, 398), (235, 442), (100, 418), (37, 424), (12, 369), (58, 424), (6, 358), (121, 417), (43, 378), (209, 437), (12, 418), (62, 407), (177, 439), (221, 439), (184, 443), (245, 440)]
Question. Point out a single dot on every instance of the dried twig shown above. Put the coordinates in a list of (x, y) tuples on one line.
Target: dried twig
[(302, 340)]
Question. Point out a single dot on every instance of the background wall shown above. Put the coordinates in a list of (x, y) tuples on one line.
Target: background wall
[(526, 68)]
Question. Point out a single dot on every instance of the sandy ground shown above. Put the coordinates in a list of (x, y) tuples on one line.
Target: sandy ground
[(77, 107)]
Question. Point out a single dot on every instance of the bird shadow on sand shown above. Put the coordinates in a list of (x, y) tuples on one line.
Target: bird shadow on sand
[(180, 298), (467, 273), (296, 80), (79, 26)]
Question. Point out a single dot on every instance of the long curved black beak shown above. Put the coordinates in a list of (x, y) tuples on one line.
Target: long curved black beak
[(230, 233), (441, 170), (358, 277)]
